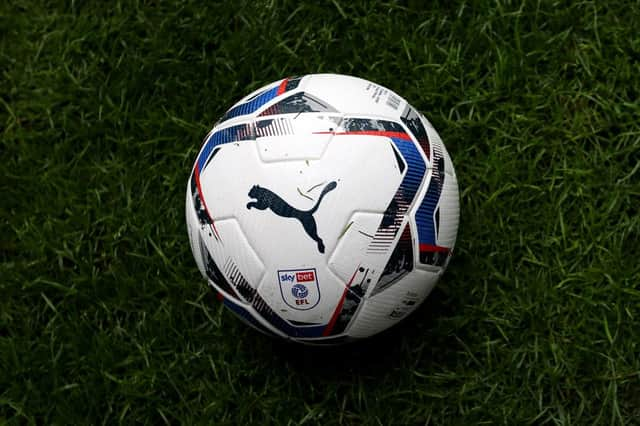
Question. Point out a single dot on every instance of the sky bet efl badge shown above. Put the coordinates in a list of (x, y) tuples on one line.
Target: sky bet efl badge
[(299, 288)]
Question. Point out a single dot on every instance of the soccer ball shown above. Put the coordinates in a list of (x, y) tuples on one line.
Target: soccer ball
[(322, 208)]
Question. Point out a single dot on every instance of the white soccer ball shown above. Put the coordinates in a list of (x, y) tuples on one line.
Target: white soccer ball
[(322, 208)]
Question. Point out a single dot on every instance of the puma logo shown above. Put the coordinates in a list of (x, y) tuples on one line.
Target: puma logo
[(268, 199)]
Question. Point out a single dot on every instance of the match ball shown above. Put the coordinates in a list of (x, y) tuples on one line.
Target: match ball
[(322, 208)]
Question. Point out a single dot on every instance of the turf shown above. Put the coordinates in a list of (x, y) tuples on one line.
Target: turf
[(104, 317)]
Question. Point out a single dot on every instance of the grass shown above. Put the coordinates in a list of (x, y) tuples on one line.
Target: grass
[(104, 317)]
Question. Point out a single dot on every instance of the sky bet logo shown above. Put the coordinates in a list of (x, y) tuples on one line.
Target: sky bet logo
[(299, 288)]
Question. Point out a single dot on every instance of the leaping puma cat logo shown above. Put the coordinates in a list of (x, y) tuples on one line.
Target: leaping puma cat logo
[(268, 199)]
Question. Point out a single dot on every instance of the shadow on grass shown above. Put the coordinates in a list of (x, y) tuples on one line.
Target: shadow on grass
[(400, 345)]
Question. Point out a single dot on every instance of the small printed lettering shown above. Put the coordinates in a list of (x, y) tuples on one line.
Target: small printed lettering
[(287, 277), (304, 276)]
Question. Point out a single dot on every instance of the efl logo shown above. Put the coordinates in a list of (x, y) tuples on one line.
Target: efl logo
[(299, 288), (305, 276)]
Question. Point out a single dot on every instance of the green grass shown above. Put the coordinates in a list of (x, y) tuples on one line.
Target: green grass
[(105, 318)]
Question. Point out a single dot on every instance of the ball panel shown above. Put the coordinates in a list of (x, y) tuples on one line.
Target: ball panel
[(289, 147), (352, 242), (235, 256), (223, 183), (448, 210), (355, 95), (296, 103), (347, 307), (427, 215), (390, 306), (400, 262), (216, 278), (447, 213)]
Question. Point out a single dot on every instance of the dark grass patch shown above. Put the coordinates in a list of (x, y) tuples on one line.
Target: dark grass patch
[(103, 316)]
